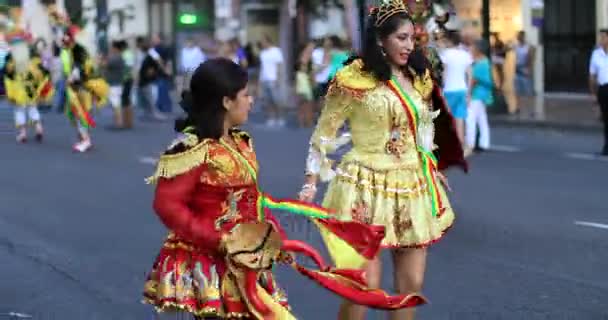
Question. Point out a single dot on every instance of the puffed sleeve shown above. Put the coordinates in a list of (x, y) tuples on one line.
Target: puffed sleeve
[(335, 112), (171, 200), (177, 176)]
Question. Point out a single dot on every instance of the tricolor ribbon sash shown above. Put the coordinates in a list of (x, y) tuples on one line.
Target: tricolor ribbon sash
[(76, 111), (265, 201), (45, 90), (428, 159)]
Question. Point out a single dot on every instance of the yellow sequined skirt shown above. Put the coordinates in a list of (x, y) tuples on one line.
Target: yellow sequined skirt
[(398, 199)]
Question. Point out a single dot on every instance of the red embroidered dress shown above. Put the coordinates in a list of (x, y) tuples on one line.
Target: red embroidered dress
[(216, 260)]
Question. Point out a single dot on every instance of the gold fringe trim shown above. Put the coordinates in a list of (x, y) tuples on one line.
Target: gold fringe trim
[(166, 306), (336, 88), (354, 78), (352, 81), (173, 165), (179, 245)]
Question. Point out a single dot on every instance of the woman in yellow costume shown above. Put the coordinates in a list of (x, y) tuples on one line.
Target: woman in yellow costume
[(402, 136), (27, 84), (84, 89)]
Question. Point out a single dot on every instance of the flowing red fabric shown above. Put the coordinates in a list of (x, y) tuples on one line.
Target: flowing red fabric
[(351, 285), (364, 238)]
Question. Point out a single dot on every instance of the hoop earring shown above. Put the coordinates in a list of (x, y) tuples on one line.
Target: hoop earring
[(382, 51)]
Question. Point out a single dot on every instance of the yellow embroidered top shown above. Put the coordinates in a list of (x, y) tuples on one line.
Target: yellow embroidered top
[(377, 121)]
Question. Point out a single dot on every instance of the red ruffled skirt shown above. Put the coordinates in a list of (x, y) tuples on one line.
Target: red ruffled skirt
[(186, 278)]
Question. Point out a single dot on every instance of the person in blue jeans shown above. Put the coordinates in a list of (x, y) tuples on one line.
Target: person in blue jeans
[(481, 86), (162, 55)]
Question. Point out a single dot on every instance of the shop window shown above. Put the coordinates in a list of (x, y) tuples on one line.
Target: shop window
[(264, 17), (569, 37)]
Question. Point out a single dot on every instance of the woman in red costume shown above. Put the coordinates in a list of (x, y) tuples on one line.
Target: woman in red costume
[(216, 261)]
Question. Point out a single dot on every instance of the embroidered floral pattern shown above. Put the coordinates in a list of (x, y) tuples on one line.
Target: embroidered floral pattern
[(397, 142), (225, 169), (401, 220), (230, 210)]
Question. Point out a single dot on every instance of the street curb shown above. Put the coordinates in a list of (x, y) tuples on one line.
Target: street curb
[(547, 125)]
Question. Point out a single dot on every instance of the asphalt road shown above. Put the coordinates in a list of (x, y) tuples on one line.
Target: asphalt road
[(77, 233)]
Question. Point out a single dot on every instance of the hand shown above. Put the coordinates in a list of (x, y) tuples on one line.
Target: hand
[(286, 257), (444, 180), (308, 193)]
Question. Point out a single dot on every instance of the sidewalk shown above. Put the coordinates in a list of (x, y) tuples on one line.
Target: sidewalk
[(559, 111)]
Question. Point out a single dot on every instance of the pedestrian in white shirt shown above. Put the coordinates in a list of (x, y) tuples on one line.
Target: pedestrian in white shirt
[(598, 81), (321, 58), (191, 57), (457, 69), (271, 61)]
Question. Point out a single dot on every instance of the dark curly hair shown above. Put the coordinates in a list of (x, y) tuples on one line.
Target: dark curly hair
[(203, 103), (373, 59)]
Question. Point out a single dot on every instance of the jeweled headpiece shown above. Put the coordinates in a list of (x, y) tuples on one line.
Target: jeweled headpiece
[(387, 9)]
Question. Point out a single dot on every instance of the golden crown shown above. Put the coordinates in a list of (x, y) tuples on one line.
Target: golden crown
[(387, 9)]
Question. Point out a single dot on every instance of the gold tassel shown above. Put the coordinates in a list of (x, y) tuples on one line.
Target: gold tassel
[(173, 165)]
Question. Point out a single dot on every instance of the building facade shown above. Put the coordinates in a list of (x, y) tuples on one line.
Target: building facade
[(564, 33)]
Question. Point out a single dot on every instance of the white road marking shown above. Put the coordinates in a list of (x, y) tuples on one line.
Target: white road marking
[(591, 224), (16, 315), (148, 160), (585, 156), (504, 148)]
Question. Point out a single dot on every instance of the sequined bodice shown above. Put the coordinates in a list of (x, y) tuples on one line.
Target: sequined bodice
[(379, 127)]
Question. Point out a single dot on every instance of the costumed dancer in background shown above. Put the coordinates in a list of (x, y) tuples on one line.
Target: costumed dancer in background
[(402, 137), (84, 88), (217, 260), (27, 85), (430, 22)]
